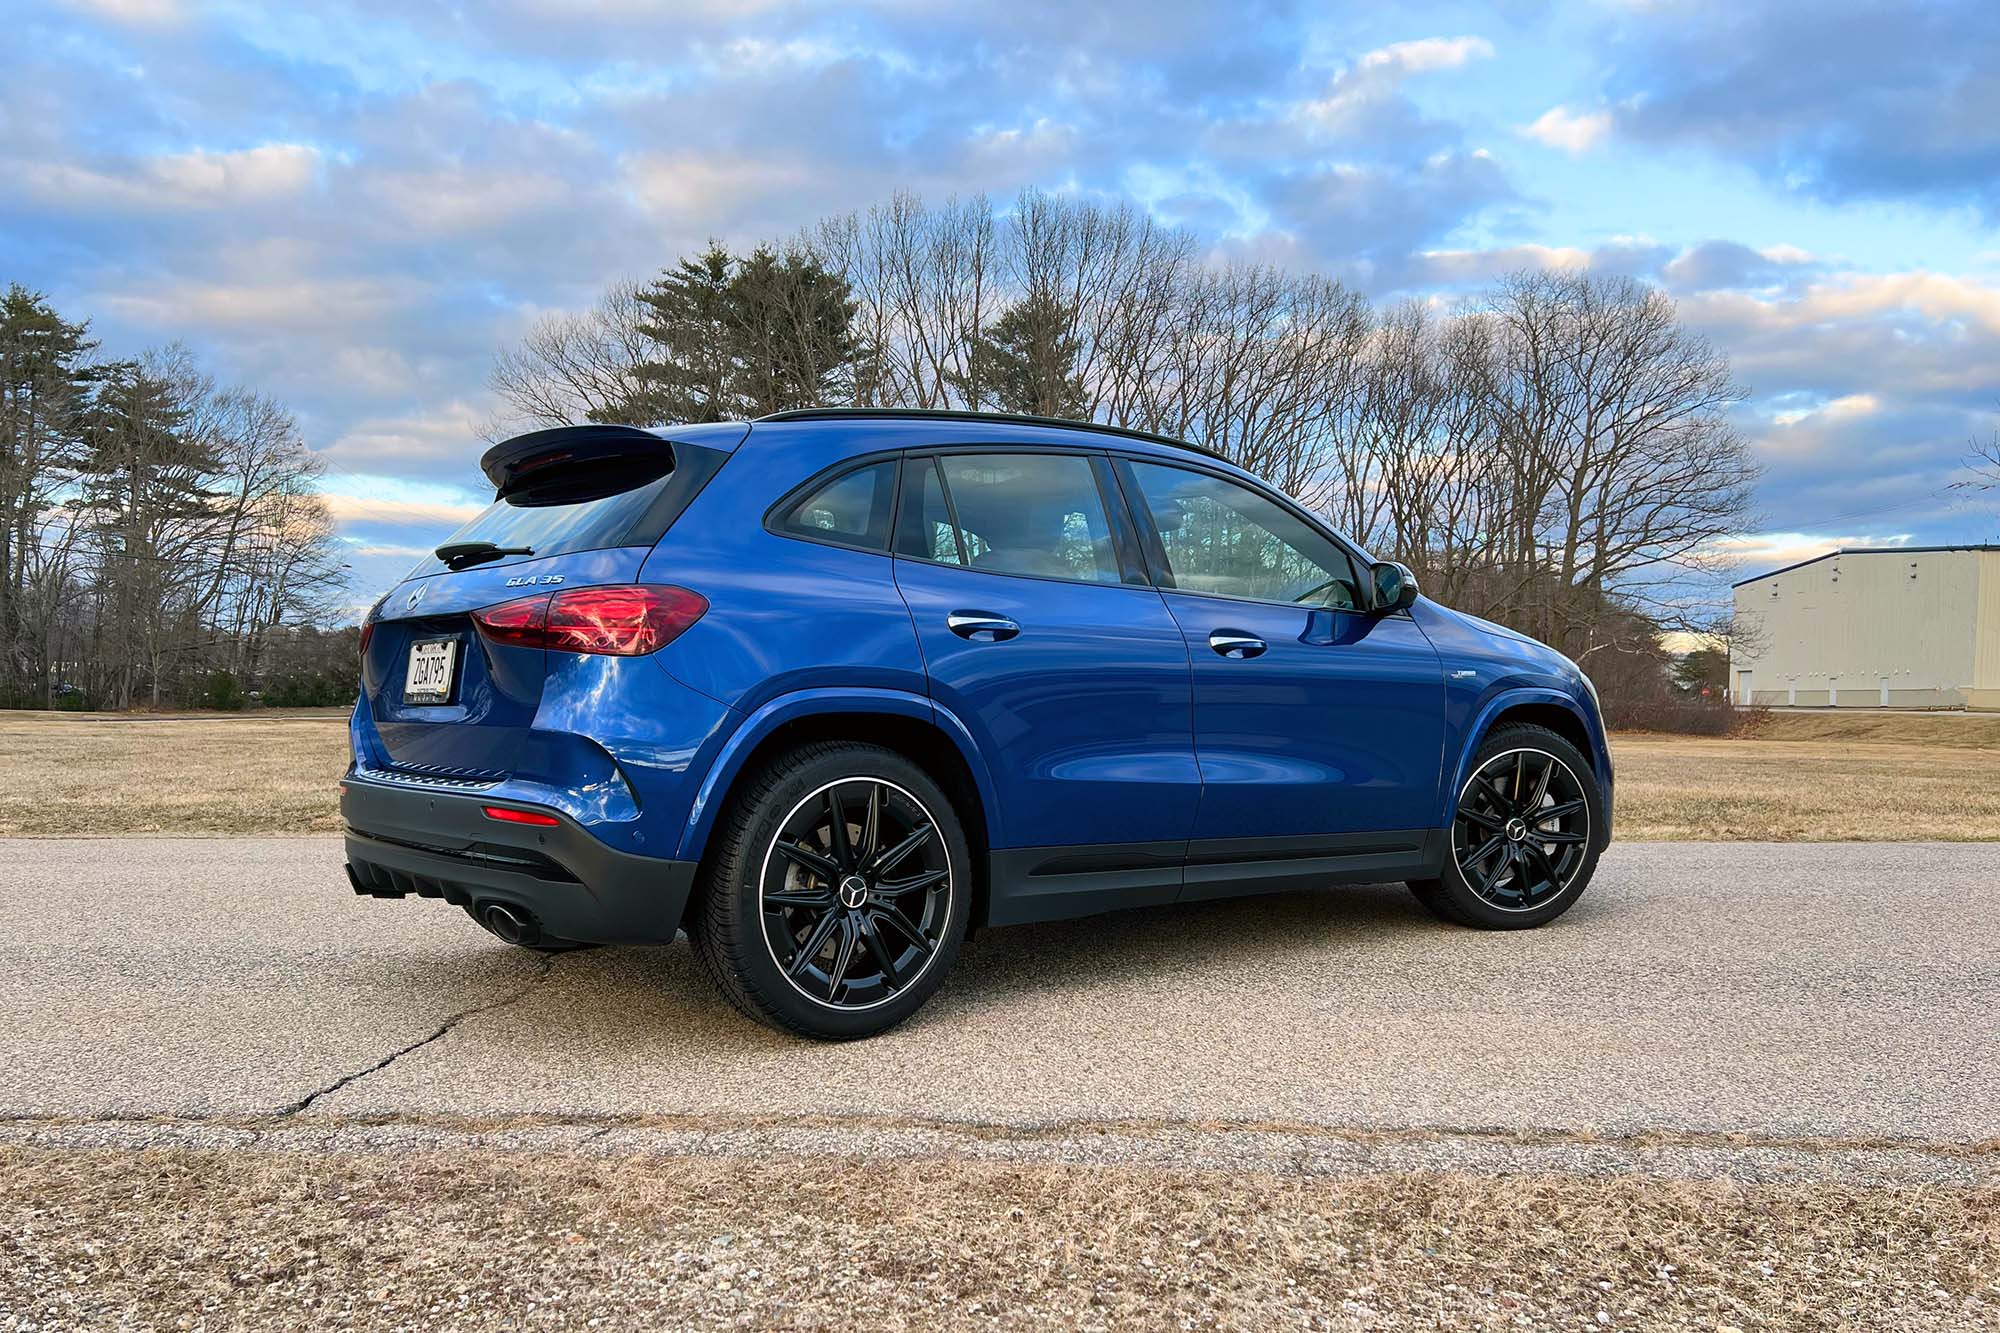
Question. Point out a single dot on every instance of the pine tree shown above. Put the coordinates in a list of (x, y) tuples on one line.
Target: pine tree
[(692, 375), (1026, 362), (44, 386)]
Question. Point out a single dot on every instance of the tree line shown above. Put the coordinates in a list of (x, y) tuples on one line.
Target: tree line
[(162, 538), (1554, 455)]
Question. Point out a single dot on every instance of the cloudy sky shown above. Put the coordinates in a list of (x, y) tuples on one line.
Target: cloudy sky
[(351, 206)]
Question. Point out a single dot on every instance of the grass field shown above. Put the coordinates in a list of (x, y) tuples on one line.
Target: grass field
[(246, 1238), (1803, 776)]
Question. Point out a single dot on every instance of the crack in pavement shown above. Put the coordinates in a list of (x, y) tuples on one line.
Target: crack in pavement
[(545, 964)]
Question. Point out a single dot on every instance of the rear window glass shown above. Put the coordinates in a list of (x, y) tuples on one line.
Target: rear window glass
[(556, 529)]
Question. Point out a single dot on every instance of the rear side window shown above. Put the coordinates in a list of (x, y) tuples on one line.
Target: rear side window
[(1223, 538), (1039, 514), (926, 530), (851, 510)]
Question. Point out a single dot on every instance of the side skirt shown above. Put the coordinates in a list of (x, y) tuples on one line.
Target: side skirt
[(1028, 884)]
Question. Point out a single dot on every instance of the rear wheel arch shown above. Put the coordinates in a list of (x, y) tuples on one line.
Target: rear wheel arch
[(923, 743)]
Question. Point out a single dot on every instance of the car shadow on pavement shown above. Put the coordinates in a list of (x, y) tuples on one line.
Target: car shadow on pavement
[(1225, 944)]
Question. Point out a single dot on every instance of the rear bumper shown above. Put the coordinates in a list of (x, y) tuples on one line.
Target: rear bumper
[(437, 844)]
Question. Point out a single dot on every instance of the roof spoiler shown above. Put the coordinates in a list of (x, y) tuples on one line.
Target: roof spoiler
[(517, 463)]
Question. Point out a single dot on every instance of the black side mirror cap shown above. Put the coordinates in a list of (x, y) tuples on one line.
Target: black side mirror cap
[(1393, 587)]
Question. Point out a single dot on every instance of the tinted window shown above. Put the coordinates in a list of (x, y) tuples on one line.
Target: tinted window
[(925, 530), (852, 509), (1224, 538), (1031, 514), (553, 529)]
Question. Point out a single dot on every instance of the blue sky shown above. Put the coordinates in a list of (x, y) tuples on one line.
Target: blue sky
[(351, 206)]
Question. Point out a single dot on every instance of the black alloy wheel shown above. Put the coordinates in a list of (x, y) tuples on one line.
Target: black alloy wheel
[(1521, 831), (856, 893), (1526, 832)]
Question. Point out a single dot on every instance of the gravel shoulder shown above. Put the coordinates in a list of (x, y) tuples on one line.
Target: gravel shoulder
[(419, 1239)]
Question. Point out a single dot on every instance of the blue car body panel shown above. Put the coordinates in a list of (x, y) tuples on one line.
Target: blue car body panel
[(1116, 758)]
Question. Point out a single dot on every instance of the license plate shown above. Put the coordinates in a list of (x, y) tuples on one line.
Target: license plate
[(428, 680)]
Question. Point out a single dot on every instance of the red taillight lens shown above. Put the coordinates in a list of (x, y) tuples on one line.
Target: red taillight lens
[(626, 621), (506, 816), (519, 623), (367, 633)]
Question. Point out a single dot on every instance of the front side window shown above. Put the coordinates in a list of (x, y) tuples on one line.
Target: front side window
[(1039, 514), (1223, 538), (850, 510)]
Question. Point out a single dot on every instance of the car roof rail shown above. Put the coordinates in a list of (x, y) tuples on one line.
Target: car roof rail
[(960, 414)]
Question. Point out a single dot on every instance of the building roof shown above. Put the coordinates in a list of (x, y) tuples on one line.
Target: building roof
[(1867, 550)]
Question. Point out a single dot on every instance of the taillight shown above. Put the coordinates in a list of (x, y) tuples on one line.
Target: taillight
[(629, 620), (518, 623)]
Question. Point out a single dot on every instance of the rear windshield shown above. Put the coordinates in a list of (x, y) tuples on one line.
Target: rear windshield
[(608, 512)]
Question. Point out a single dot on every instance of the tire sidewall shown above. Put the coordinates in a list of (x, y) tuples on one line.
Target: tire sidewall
[(793, 784), (1475, 908)]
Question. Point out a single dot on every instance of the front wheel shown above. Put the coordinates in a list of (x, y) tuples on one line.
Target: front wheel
[(1525, 834), (839, 892)]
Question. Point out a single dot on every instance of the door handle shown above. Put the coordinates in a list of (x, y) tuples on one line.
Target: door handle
[(981, 627), (1236, 644)]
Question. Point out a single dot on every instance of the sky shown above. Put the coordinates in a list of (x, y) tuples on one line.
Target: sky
[(352, 206)]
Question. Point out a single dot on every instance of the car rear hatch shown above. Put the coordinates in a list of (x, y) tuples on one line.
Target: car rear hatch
[(455, 659)]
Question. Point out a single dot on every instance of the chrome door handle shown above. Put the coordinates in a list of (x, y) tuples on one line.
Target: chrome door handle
[(980, 627), (1234, 643)]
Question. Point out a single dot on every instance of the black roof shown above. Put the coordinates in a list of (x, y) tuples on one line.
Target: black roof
[(1868, 550), (955, 414)]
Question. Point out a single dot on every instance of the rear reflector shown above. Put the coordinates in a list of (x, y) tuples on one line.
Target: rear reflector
[(626, 620), (506, 816)]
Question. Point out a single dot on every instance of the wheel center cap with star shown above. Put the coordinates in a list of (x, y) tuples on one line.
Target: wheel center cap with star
[(1517, 829), (853, 890)]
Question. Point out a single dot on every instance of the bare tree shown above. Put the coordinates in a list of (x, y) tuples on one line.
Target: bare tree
[(573, 368)]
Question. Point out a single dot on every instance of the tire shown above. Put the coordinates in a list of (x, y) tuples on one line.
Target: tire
[(883, 913), (1507, 868)]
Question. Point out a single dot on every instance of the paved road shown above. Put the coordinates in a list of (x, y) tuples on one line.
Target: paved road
[(1845, 990)]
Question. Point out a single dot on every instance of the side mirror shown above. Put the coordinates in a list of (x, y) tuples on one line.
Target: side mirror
[(1394, 586)]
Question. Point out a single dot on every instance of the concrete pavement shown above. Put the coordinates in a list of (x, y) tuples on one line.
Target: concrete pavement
[(1778, 991)]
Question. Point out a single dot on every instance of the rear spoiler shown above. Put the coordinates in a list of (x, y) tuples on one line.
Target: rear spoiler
[(525, 460)]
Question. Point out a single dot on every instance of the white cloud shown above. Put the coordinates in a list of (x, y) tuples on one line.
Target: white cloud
[(1844, 408), (1571, 131), (1773, 549), (364, 509), (1429, 53), (176, 181), (150, 13)]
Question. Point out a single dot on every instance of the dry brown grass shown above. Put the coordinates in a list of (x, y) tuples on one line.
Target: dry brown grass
[(1813, 777), (259, 1239), (64, 773)]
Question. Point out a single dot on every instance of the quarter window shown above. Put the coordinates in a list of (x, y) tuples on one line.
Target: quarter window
[(1223, 538), (1039, 514), (851, 510)]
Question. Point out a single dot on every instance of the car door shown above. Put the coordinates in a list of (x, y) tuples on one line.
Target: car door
[(1318, 726), (1041, 634)]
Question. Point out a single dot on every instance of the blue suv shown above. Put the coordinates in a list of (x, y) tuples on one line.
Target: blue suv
[(831, 688)]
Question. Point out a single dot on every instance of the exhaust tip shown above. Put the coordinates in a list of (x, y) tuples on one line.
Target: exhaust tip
[(509, 923)]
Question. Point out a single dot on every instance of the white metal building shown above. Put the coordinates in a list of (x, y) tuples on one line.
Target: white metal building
[(1888, 627)]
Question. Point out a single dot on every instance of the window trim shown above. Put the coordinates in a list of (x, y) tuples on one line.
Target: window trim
[(1124, 532), (774, 516), (1156, 554)]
